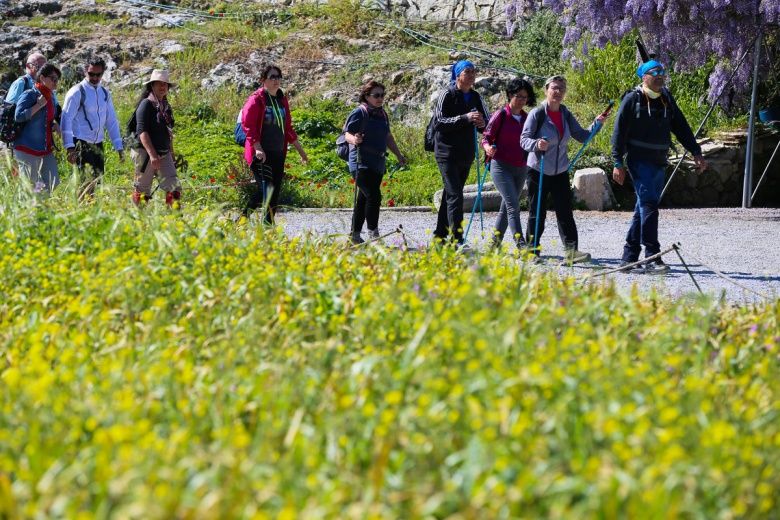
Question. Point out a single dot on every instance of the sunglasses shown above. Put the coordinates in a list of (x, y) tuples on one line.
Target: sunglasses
[(377, 95), (53, 79), (94, 74), (656, 72), (274, 76)]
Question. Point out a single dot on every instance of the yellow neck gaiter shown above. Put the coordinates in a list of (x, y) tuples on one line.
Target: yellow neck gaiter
[(650, 92)]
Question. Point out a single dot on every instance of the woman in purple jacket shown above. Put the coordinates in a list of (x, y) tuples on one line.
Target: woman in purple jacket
[(501, 142)]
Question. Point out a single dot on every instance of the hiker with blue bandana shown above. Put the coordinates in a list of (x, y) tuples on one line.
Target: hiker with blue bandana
[(458, 111), (647, 117)]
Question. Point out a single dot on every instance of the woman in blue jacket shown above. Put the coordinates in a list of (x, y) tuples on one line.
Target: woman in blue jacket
[(34, 147), (368, 134), (547, 132)]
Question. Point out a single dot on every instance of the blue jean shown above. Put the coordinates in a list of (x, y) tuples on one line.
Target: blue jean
[(648, 181), (509, 182)]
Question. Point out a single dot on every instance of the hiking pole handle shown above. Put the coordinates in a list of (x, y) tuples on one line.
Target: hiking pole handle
[(606, 112)]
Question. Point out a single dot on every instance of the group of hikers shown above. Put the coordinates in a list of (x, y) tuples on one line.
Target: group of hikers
[(521, 140)]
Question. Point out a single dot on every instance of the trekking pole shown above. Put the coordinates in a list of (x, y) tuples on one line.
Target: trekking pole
[(539, 201), (765, 170), (677, 250), (480, 180), (631, 265), (389, 233), (596, 128), (478, 202), (706, 117)]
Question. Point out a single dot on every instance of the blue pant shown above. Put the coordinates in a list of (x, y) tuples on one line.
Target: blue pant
[(648, 181), (509, 182)]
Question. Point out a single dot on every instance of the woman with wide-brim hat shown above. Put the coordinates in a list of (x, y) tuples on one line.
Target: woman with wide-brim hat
[(154, 129)]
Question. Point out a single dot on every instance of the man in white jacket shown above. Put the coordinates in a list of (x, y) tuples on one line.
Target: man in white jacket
[(88, 112)]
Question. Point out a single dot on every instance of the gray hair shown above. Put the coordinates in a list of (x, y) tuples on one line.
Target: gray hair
[(35, 56), (558, 78)]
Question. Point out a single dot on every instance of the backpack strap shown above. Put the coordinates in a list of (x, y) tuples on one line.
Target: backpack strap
[(365, 118), (83, 94), (540, 120)]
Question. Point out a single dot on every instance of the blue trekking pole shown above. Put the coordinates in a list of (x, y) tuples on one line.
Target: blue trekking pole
[(480, 181), (539, 201), (596, 127)]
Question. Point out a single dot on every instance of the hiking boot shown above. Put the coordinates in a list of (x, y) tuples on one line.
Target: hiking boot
[(172, 199), (373, 234), (356, 239), (575, 257), (139, 197), (496, 241), (655, 267)]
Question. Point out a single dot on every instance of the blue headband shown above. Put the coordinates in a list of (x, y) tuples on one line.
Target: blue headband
[(648, 66), (460, 67)]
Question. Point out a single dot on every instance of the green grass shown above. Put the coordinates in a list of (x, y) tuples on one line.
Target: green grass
[(160, 364)]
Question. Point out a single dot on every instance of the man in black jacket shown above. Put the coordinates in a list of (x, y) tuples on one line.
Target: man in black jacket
[(458, 112), (647, 117)]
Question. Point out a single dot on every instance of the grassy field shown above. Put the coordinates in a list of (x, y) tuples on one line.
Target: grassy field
[(158, 364)]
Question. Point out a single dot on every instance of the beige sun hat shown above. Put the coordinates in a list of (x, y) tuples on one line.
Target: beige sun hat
[(161, 75)]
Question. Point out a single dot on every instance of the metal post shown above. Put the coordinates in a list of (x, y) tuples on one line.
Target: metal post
[(747, 186)]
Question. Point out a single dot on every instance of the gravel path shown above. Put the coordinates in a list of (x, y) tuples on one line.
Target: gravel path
[(742, 244)]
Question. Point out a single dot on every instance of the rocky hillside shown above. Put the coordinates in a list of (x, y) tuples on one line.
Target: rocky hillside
[(135, 36)]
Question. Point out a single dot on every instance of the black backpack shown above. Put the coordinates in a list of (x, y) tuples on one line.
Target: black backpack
[(430, 135), (342, 146), (430, 130), (131, 140), (9, 128)]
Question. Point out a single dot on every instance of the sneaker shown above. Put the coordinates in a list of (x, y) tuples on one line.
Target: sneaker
[(624, 263), (464, 248), (656, 267), (575, 257), (356, 239), (373, 234)]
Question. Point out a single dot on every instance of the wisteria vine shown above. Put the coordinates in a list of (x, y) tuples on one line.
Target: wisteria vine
[(685, 33)]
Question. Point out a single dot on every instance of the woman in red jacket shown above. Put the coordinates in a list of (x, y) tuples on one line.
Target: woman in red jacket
[(268, 127), (501, 143)]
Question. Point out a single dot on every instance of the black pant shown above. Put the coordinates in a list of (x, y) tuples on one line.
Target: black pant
[(268, 177), (91, 154), (453, 175), (559, 186), (368, 198)]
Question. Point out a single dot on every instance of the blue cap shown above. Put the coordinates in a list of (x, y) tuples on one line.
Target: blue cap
[(647, 67)]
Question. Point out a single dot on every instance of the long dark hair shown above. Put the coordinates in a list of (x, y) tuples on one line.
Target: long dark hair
[(145, 91), (516, 85)]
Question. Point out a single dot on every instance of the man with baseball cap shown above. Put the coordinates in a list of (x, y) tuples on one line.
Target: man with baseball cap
[(647, 117)]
